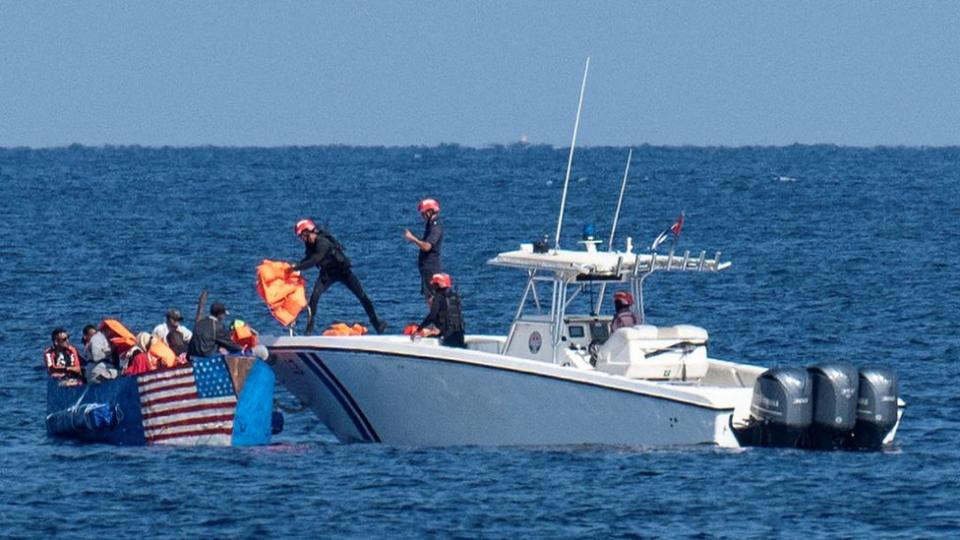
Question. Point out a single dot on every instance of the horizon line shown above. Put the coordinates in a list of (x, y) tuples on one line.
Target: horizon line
[(488, 146)]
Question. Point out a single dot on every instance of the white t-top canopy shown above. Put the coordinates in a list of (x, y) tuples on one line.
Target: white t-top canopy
[(605, 265)]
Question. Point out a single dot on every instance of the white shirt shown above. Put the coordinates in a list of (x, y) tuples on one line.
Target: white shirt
[(98, 348), (161, 331)]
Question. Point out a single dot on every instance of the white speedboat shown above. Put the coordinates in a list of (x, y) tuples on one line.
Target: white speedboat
[(559, 377)]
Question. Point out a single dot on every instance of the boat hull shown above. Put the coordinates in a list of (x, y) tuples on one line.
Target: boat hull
[(243, 415), (447, 397)]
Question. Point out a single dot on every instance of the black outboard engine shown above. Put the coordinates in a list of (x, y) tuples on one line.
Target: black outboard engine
[(835, 388), (877, 409), (781, 409)]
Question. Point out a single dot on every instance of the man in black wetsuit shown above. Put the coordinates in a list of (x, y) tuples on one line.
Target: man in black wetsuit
[(323, 251), (446, 313), (210, 334), (428, 258)]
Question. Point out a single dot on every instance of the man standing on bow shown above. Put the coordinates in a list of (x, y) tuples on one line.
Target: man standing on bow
[(428, 257), (322, 250)]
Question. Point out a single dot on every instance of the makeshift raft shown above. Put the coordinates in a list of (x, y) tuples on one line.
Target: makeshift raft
[(215, 401)]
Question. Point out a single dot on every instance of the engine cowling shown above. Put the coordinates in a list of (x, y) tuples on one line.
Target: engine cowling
[(877, 408), (780, 409), (835, 390)]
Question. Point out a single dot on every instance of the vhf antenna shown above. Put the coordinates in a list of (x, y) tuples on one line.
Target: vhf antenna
[(566, 181)]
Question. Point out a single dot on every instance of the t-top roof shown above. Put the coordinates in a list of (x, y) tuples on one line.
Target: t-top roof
[(606, 265)]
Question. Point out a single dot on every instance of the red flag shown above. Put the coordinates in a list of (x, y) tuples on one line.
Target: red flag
[(678, 226)]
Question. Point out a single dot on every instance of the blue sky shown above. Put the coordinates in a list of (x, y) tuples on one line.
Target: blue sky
[(424, 73)]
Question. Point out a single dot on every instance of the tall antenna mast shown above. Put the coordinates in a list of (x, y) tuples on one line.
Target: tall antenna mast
[(566, 180), (613, 230), (616, 215)]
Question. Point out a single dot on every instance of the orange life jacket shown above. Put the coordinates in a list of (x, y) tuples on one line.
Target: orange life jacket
[(244, 336), (120, 337), (282, 290), (341, 329), (72, 370), (411, 329), (161, 355)]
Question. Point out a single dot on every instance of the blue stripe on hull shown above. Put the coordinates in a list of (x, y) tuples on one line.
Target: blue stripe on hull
[(343, 397)]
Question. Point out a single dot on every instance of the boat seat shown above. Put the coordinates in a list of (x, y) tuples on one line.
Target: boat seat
[(656, 353)]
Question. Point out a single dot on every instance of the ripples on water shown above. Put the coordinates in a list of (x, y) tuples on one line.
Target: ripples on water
[(853, 257)]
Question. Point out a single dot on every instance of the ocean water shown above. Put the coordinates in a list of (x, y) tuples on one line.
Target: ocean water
[(838, 253)]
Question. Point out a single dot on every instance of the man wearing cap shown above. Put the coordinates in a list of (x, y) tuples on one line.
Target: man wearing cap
[(210, 334), (173, 333)]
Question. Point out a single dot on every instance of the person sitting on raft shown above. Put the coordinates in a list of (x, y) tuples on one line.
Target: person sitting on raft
[(138, 357), (445, 313), (173, 332), (62, 359), (99, 355), (210, 334)]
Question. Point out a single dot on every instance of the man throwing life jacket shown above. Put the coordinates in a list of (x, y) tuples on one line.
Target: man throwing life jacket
[(322, 250), (446, 313)]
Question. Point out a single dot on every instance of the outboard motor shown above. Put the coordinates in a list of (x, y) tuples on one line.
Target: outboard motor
[(877, 408), (780, 410), (834, 404)]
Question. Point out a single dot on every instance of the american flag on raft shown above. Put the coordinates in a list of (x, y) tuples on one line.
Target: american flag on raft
[(192, 405)]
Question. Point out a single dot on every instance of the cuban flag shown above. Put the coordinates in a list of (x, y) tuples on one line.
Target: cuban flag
[(677, 226), (674, 230), (192, 405)]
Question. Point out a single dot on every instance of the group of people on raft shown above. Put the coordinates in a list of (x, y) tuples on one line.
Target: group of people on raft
[(110, 349)]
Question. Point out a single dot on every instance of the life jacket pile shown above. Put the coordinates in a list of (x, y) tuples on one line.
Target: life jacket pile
[(282, 290), (342, 329)]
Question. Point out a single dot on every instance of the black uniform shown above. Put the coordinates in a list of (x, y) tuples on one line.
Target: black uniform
[(327, 255), (209, 335), (428, 262), (447, 314)]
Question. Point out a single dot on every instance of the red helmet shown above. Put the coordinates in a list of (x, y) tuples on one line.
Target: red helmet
[(623, 298), (304, 225), (442, 281), (429, 204)]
